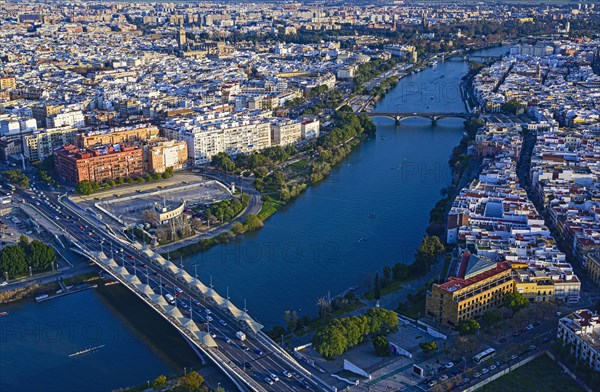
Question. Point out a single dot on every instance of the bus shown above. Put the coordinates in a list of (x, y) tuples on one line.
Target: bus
[(484, 356)]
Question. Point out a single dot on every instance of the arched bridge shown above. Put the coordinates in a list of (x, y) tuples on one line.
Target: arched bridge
[(433, 116)]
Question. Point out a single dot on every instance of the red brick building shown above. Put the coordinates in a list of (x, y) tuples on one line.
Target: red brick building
[(98, 164)]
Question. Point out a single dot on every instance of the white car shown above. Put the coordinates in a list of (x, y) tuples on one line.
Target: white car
[(274, 377), (492, 367), (268, 381), (529, 327), (477, 375), (4, 283), (287, 374), (449, 365), (485, 370), (209, 318)]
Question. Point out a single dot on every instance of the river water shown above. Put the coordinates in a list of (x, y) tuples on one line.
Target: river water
[(370, 212)]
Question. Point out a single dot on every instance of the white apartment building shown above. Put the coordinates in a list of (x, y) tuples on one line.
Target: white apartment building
[(310, 129), (69, 119), (233, 136), (285, 132), (580, 331)]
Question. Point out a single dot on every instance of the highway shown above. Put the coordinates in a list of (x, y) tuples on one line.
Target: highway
[(258, 356)]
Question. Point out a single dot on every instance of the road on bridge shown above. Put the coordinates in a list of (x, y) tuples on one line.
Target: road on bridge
[(257, 357)]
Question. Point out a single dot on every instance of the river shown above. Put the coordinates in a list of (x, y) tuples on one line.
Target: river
[(370, 212), (313, 246)]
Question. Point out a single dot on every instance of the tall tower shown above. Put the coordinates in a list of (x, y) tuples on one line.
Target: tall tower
[(181, 39)]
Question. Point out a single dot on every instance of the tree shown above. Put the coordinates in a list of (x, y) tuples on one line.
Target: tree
[(84, 187), (491, 317), (515, 301), (467, 327), (159, 382), (253, 222), (329, 342), (223, 162), (13, 260), (190, 382), (377, 286), (428, 347), (381, 346)]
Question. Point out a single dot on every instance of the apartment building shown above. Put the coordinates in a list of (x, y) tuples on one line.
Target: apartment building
[(161, 154), (580, 331), (310, 129), (138, 133), (41, 144), (592, 266), (98, 164), (73, 118), (207, 136), (8, 83), (480, 285), (285, 132)]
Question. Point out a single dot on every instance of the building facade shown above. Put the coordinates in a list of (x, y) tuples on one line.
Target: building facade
[(481, 286), (138, 133), (161, 154), (98, 164), (580, 331), (40, 145), (592, 266)]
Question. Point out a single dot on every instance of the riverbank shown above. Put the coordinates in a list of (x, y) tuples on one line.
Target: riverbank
[(43, 285), (289, 177)]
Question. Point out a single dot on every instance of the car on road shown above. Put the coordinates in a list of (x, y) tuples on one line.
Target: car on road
[(485, 370), (208, 311), (532, 347), (274, 377), (259, 352), (529, 327), (477, 375), (443, 378), (513, 357), (248, 365), (497, 363), (287, 374), (178, 291), (492, 367), (268, 381), (227, 340), (516, 334), (432, 383), (449, 365), (209, 318), (4, 283), (223, 323), (195, 301), (558, 314), (502, 341), (245, 348), (213, 335)]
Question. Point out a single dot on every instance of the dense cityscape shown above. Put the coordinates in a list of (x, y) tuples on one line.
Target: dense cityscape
[(323, 196)]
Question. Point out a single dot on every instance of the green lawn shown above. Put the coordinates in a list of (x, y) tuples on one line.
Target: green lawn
[(541, 374), (269, 208)]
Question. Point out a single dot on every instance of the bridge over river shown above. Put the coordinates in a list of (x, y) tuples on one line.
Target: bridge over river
[(433, 116)]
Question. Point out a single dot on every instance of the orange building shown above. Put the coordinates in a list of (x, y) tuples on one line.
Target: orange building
[(116, 136), (98, 164), (8, 82)]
